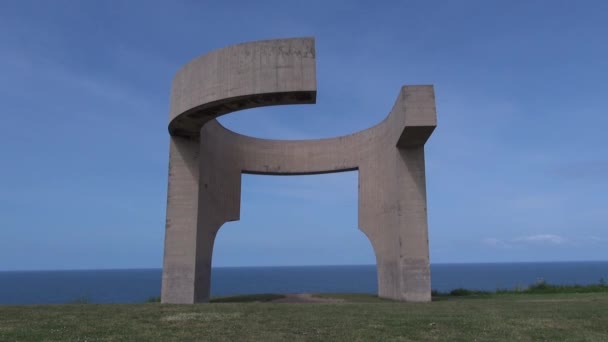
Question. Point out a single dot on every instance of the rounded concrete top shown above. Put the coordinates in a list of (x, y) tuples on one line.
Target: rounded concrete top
[(248, 75)]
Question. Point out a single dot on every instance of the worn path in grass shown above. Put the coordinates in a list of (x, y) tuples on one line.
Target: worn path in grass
[(306, 298), (523, 317)]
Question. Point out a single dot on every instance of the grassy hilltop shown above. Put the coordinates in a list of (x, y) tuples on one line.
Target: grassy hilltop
[(505, 317)]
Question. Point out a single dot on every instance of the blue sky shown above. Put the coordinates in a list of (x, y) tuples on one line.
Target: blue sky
[(517, 169)]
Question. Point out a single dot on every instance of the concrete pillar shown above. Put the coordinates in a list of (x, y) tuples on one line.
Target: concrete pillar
[(181, 225)]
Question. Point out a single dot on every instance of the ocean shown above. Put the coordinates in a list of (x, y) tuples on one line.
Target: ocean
[(137, 285)]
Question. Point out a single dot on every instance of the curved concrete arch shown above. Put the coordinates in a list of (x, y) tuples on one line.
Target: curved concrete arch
[(206, 162), (242, 76)]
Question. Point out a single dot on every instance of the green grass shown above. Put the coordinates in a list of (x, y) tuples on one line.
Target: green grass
[(541, 287), (544, 287), (263, 297), (495, 317), (154, 299)]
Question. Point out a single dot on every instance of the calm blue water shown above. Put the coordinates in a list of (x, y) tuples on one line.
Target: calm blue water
[(133, 286)]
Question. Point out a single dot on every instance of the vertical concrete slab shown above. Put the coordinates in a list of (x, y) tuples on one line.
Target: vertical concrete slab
[(181, 226)]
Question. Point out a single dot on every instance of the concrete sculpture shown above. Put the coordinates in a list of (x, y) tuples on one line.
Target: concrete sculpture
[(206, 162)]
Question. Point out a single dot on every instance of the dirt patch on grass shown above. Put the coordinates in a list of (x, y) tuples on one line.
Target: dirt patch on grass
[(201, 316), (305, 298)]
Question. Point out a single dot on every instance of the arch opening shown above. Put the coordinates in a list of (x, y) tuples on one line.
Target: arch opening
[(296, 234)]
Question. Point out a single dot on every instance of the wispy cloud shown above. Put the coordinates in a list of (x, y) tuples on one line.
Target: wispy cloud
[(596, 239), (547, 240), (95, 87), (494, 242), (335, 187), (550, 239), (583, 170), (528, 240), (537, 201), (265, 123)]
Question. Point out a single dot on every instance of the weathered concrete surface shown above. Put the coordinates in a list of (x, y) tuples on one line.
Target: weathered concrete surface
[(207, 160), (242, 76)]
